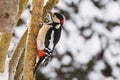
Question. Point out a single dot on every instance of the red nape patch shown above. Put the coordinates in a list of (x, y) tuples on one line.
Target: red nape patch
[(62, 21), (40, 53)]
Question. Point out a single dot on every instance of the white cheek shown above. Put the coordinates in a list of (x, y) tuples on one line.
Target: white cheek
[(56, 20), (58, 26)]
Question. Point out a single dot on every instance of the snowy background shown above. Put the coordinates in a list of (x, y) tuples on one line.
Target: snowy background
[(89, 48)]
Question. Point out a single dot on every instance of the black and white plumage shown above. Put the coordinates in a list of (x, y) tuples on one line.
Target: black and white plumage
[(48, 37)]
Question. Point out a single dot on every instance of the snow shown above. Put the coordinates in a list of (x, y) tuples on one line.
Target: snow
[(66, 60), (18, 30), (62, 43), (54, 62), (116, 32), (4, 76), (88, 10), (63, 6), (87, 32), (112, 11), (83, 50), (110, 58), (116, 72), (100, 29), (95, 76)]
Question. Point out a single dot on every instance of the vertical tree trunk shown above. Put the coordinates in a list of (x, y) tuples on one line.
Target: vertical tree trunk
[(8, 12), (31, 49)]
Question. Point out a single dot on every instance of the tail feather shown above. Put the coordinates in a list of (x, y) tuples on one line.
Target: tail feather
[(38, 63)]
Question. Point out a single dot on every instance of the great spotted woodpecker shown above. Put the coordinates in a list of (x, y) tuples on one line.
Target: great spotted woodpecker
[(48, 37)]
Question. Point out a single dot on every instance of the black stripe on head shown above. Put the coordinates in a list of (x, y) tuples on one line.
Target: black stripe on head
[(59, 16)]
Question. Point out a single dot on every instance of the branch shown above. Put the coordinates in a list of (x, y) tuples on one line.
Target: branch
[(19, 69), (22, 5), (20, 46), (31, 49), (18, 50)]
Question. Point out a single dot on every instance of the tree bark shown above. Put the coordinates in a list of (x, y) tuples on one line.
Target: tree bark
[(18, 50), (8, 14), (4, 44), (22, 5), (20, 46), (31, 49), (19, 69)]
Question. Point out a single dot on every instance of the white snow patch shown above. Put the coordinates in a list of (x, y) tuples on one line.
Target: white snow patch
[(25, 15), (88, 10), (63, 6), (95, 76), (112, 11), (110, 58), (62, 43), (87, 32), (69, 26), (116, 32), (99, 66), (92, 46), (55, 63), (88, 49), (4, 76), (66, 60), (20, 30), (100, 29), (116, 72)]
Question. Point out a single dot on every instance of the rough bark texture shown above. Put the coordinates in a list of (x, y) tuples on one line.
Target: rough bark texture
[(22, 5), (8, 14), (19, 69), (5, 38), (20, 46), (18, 50), (31, 49)]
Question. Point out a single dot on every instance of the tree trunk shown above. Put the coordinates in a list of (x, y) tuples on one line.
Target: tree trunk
[(31, 48), (8, 12)]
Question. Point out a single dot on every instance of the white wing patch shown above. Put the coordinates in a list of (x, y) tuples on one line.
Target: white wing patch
[(51, 40)]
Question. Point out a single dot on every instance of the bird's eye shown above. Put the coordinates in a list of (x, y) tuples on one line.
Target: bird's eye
[(53, 15)]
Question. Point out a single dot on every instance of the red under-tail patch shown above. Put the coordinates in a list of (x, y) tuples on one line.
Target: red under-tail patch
[(40, 53)]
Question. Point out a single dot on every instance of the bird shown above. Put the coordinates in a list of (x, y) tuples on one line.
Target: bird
[(48, 37)]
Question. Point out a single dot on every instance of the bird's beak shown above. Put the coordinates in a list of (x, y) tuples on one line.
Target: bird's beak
[(50, 14)]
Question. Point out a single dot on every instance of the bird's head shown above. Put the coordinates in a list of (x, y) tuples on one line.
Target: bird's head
[(57, 18)]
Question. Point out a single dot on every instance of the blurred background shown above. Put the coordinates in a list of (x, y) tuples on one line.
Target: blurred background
[(89, 48)]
